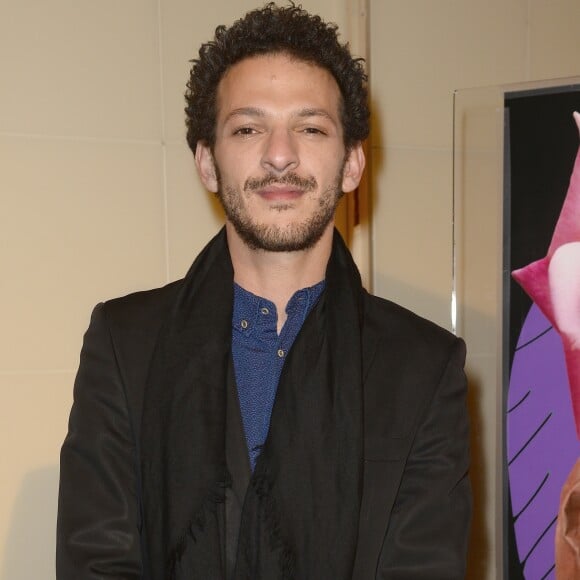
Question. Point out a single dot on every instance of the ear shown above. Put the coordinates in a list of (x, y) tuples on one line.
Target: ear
[(353, 168), (205, 164)]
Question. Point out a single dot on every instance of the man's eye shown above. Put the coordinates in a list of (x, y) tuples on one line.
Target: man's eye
[(313, 131), (244, 131)]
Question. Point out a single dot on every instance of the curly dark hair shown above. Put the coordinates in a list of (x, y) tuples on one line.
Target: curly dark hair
[(270, 30)]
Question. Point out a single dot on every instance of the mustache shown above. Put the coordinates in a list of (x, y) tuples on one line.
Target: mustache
[(303, 183)]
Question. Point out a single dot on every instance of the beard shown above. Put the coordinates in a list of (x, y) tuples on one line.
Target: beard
[(293, 237)]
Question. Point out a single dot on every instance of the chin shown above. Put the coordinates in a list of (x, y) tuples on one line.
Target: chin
[(275, 239)]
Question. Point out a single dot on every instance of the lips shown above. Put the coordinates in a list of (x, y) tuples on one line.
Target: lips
[(283, 193)]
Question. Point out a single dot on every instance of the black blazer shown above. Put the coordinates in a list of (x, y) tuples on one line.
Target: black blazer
[(416, 502)]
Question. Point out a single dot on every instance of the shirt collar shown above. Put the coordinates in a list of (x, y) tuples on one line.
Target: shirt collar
[(251, 312)]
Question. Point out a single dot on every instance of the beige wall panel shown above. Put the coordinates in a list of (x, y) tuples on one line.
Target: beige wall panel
[(33, 414), (422, 50), (193, 215), (412, 230), (80, 67), (80, 221), (554, 38)]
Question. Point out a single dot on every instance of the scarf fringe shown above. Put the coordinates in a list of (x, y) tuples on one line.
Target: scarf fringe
[(270, 515), (197, 525)]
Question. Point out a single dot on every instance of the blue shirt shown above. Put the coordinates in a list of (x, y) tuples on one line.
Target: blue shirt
[(259, 354)]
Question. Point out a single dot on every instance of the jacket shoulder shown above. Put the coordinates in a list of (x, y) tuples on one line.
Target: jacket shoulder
[(134, 322), (143, 309), (389, 321)]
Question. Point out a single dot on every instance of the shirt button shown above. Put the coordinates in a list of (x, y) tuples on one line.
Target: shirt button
[(281, 353), (244, 324), (264, 310)]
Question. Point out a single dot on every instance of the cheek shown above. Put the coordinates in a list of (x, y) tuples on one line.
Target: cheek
[(234, 169)]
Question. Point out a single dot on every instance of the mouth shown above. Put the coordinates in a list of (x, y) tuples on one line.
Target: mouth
[(280, 189), (281, 193)]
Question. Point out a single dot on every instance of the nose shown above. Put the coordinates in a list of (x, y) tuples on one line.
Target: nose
[(280, 152)]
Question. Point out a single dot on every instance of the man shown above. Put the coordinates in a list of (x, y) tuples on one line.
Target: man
[(266, 418)]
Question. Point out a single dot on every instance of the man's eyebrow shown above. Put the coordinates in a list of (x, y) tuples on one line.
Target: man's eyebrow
[(245, 111), (308, 112), (261, 113)]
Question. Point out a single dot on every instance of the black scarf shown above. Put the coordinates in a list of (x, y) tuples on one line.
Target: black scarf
[(301, 510)]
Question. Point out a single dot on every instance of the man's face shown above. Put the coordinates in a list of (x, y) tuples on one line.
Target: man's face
[(279, 163)]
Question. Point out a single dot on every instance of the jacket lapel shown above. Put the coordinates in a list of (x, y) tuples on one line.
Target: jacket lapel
[(381, 473)]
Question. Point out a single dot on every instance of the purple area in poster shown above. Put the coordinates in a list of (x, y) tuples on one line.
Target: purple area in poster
[(541, 441)]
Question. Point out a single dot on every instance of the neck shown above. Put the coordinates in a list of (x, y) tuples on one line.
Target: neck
[(276, 276)]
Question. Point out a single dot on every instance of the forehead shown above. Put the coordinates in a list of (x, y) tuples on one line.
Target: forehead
[(277, 83)]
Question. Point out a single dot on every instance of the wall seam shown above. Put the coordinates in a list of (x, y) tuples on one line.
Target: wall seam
[(162, 121), (528, 64), (78, 138), (32, 372)]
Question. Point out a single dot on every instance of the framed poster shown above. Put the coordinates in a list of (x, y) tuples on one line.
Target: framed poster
[(513, 154), (541, 142)]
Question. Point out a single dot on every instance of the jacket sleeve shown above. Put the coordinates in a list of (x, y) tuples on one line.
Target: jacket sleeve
[(428, 530), (98, 514)]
